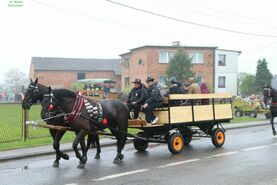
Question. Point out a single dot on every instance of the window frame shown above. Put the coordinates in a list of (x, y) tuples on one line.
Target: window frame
[(196, 57), (223, 62), (81, 73), (168, 57), (224, 82)]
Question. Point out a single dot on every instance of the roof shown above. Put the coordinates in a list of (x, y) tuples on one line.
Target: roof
[(229, 50), (169, 47), (76, 64)]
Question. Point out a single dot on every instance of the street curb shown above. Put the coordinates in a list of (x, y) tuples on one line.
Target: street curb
[(227, 126), (44, 153)]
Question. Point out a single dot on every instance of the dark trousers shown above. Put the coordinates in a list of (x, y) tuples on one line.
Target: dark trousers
[(136, 109), (149, 116)]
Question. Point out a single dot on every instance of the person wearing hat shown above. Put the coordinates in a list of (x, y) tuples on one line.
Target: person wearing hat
[(153, 101), (175, 88), (137, 97), (193, 88)]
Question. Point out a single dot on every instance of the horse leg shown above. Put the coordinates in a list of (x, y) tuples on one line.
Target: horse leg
[(79, 138), (272, 124), (57, 135), (121, 140), (98, 149)]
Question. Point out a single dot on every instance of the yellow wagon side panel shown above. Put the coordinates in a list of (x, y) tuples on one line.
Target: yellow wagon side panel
[(223, 111), (203, 112)]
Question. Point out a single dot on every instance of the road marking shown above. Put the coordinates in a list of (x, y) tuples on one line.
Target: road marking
[(274, 144), (177, 163), (72, 184), (222, 154), (254, 148), (120, 175)]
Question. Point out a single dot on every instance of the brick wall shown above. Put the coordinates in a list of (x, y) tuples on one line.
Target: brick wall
[(152, 67), (63, 79)]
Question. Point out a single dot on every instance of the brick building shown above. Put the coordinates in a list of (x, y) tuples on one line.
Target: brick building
[(210, 65), (61, 72)]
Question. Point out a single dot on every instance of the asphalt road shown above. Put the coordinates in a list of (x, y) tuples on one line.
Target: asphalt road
[(247, 157)]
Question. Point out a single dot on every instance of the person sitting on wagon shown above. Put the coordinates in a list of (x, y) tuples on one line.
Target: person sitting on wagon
[(153, 101), (193, 88), (204, 90), (137, 97), (175, 88)]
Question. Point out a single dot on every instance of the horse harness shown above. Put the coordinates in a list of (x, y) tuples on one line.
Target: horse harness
[(93, 109)]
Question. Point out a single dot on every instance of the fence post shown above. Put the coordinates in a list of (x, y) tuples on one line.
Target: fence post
[(25, 114)]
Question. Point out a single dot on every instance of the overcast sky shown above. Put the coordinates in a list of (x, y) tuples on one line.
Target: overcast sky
[(102, 29)]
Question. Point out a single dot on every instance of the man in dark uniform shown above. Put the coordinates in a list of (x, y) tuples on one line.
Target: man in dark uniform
[(175, 88), (153, 101), (137, 97)]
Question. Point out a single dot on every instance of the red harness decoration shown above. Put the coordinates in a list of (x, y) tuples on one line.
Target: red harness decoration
[(77, 107), (105, 121)]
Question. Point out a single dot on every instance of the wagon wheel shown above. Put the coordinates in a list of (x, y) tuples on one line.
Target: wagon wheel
[(253, 115), (218, 137), (140, 144), (238, 113), (175, 143)]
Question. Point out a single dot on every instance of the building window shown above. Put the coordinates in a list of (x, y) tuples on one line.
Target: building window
[(221, 60), (126, 62), (165, 56), (196, 57), (221, 82), (163, 79), (198, 79), (127, 81), (81, 75)]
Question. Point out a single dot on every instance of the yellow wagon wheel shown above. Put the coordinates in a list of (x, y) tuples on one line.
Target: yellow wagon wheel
[(218, 137), (175, 143)]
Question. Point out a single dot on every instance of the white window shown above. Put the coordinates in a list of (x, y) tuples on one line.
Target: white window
[(196, 57), (221, 60), (165, 56), (163, 79), (221, 82)]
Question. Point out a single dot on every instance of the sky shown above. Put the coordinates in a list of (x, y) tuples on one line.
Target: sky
[(105, 29)]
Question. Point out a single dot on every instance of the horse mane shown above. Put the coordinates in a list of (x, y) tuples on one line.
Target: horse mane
[(64, 93)]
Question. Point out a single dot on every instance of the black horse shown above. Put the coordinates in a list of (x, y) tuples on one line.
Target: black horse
[(36, 92), (270, 93), (88, 116)]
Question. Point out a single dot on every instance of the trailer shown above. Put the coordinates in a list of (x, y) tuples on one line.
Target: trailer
[(178, 124)]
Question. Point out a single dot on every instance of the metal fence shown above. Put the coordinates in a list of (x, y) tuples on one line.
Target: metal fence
[(12, 123), (11, 127)]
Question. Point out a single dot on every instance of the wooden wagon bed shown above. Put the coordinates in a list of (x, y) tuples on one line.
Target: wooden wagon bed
[(218, 110)]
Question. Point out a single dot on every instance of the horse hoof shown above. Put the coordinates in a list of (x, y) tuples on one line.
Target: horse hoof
[(121, 156), (274, 133), (55, 164), (97, 156), (83, 160), (116, 161), (81, 166), (65, 157)]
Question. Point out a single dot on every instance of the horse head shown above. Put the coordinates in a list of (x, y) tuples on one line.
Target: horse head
[(32, 94), (51, 107)]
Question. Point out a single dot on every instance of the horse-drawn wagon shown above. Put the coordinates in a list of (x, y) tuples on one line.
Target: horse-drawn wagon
[(177, 125)]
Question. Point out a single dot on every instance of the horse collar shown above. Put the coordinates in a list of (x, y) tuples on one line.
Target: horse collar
[(77, 107)]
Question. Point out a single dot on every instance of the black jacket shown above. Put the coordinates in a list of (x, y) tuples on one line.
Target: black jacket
[(138, 95), (154, 94)]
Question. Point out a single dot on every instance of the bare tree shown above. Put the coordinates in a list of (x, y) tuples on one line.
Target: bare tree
[(15, 80)]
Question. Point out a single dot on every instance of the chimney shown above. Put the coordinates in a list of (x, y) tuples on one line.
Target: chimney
[(176, 43)]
